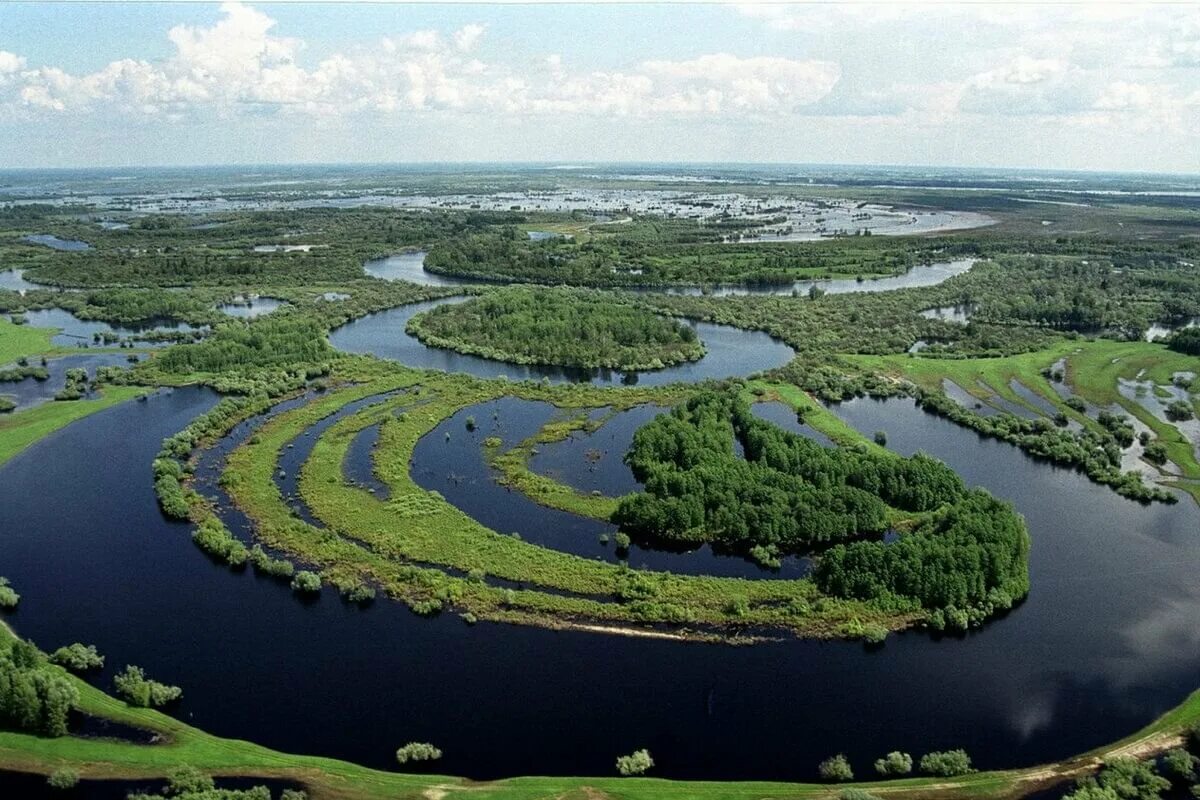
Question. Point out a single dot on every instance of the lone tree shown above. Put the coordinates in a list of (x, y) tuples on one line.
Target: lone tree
[(636, 763), (836, 768), (418, 751), (894, 763)]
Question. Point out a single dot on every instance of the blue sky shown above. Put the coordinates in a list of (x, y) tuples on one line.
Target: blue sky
[(1077, 86)]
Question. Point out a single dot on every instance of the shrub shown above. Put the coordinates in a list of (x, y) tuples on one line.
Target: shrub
[(306, 582), (948, 763), (138, 690), (63, 778), (894, 763), (1179, 763), (636, 763), (881, 438), (836, 768), (8, 597), (78, 657), (188, 780), (418, 751)]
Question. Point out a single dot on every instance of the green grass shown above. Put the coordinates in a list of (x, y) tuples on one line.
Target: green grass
[(380, 540), (1093, 369), (17, 341), (21, 429)]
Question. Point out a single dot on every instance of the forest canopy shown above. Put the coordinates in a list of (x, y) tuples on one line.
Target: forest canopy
[(561, 327)]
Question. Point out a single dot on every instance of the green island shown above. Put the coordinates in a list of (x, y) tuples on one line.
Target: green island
[(558, 327), (337, 458)]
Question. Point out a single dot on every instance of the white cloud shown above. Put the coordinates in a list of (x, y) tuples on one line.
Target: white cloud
[(466, 37), (239, 62), (10, 63)]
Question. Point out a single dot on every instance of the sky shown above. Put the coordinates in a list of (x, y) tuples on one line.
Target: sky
[(1080, 86)]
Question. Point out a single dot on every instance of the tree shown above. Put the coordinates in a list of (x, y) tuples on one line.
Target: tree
[(948, 763), (894, 763), (138, 690), (836, 768), (78, 657), (63, 778), (8, 597), (636, 763), (306, 582), (418, 751)]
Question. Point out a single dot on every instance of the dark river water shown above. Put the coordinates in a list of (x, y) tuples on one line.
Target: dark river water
[(731, 353), (1106, 641), (76, 332)]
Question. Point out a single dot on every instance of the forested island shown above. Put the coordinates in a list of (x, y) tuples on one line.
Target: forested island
[(559, 327)]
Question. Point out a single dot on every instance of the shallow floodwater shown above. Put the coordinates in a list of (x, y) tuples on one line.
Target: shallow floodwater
[(731, 353), (14, 280), (595, 462), (454, 466), (30, 392), (77, 332), (1105, 642), (71, 245), (250, 307)]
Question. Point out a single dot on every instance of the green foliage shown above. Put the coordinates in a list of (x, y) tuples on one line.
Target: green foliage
[(1185, 341), (9, 599), (564, 327), (34, 697), (78, 657), (1180, 764), (1122, 778), (1179, 411), (306, 582), (140, 691), (417, 751), (894, 763), (63, 778), (214, 538), (1096, 453), (948, 763), (638, 762), (793, 495), (836, 768), (281, 339)]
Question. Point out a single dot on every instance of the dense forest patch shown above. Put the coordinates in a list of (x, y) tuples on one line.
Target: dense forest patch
[(967, 552), (559, 327)]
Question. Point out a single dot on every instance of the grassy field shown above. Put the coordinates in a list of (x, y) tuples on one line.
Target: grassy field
[(22, 340)]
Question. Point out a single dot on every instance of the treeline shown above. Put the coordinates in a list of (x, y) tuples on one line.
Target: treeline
[(34, 696), (652, 251), (576, 328), (1186, 341), (281, 339)]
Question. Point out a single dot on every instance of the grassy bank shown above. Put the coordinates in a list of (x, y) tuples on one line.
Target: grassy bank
[(21, 429)]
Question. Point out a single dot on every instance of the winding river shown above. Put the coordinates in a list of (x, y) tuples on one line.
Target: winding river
[(731, 353), (1105, 642)]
